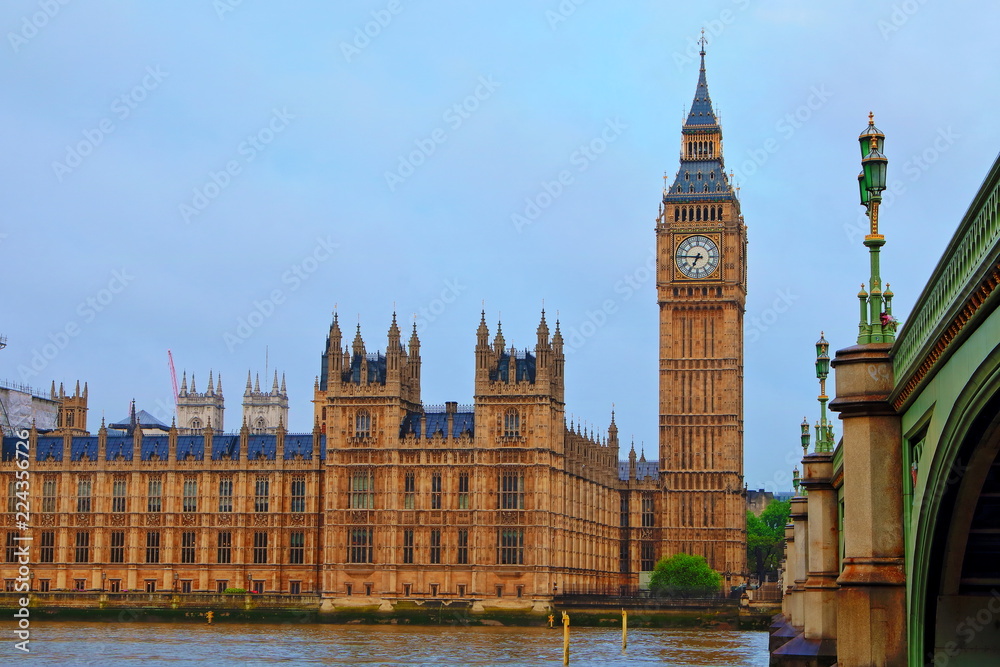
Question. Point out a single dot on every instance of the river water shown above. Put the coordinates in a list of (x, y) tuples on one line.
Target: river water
[(151, 644)]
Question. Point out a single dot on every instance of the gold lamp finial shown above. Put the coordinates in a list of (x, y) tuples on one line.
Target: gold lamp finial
[(871, 117)]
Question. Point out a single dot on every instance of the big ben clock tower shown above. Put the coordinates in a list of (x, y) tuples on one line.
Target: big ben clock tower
[(701, 290)]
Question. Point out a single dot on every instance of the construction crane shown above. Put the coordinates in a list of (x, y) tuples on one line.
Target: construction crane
[(173, 375)]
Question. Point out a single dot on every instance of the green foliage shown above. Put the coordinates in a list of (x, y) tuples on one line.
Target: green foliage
[(684, 575), (236, 591), (766, 538)]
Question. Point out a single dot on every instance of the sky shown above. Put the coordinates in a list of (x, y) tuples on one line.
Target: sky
[(215, 178)]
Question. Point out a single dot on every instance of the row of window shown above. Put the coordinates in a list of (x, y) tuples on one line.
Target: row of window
[(648, 516), (510, 546), (83, 551), (154, 495), (510, 490), (511, 424), (149, 586), (647, 556)]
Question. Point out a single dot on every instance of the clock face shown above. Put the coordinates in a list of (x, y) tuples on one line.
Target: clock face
[(697, 257)]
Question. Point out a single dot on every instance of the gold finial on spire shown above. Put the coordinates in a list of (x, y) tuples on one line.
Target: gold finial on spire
[(871, 117), (702, 41)]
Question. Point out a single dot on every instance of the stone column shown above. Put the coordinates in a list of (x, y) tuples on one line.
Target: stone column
[(823, 561), (871, 614), (797, 572)]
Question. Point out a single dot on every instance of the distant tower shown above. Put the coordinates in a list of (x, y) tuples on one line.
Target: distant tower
[(72, 415), (196, 411), (262, 412)]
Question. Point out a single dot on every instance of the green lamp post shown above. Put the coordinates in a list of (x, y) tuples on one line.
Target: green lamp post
[(824, 429), (877, 324)]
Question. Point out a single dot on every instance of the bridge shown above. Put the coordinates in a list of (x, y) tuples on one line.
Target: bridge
[(893, 546)]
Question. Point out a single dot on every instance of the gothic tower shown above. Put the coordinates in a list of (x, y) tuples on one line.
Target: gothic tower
[(263, 412), (701, 291), (195, 410), (72, 409)]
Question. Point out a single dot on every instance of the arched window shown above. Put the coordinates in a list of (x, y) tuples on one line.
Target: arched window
[(195, 423), (511, 423), (260, 426), (362, 424)]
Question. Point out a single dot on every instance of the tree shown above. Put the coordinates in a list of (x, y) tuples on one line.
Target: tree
[(684, 575), (766, 538)]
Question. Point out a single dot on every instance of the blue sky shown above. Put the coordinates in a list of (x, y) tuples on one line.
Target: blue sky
[(175, 170)]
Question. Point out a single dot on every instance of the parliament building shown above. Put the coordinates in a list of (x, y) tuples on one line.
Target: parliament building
[(502, 502)]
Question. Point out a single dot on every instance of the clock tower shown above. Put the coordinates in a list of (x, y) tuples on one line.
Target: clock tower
[(701, 290)]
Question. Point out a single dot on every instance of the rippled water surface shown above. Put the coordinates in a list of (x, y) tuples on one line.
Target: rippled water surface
[(150, 644)]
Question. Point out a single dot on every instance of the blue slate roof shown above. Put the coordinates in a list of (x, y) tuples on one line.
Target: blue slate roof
[(702, 116), (83, 447), (191, 444), (701, 179), (155, 444), (523, 364), (437, 423), (224, 446), (8, 449), (262, 446), (49, 446), (302, 445), (643, 469), (376, 369), (119, 444)]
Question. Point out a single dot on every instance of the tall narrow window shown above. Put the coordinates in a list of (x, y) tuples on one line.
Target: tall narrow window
[(190, 503), (117, 554), (511, 423), (646, 556), (188, 547), (153, 546), (262, 495), (296, 548), (409, 491), (298, 494), (359, 545), (463, 491), (511, 490), (435, 547), (49, 495), (510, 546), (12, 495), (82, 547), (623, 518), (648, 516), (436, 491), (83, 494), (154, 497), (10, 551), (362, 424), (363, 489), (47, 554), (226, 494), (225, 551), (462, 557), (408, 545), (119, 491), (260, 547)]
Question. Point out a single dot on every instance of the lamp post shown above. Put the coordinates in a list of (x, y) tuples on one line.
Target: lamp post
[(824, 430), (176, 577), (805, 436), (876, 324), (104, 575)]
